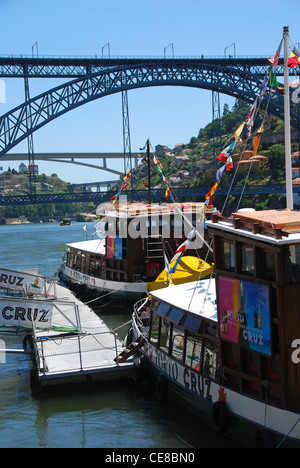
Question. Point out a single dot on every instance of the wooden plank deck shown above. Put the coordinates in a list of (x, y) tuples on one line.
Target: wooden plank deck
[(64, 356)]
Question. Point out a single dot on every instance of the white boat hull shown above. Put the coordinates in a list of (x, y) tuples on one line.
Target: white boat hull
[(117, 289)]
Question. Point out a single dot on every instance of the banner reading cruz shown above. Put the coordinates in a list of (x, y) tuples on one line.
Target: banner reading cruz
[(14, 313), (19, 281)]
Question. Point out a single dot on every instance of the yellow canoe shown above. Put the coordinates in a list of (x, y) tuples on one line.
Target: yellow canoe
[(188, 270)]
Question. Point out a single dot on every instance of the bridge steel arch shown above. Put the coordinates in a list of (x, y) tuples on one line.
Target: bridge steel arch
[(241, 84)]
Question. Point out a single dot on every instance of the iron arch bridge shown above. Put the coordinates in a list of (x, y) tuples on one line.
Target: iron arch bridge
[(94, 79)]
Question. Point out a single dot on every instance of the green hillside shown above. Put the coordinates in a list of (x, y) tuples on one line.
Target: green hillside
[(13, 183), (200, 165)]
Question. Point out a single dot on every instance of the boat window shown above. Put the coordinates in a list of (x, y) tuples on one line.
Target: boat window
[(269, 266), (247, 259), (178, 343), (155, 328), (176, 315), (163, 309), (227, 257), (165, 334), (210, 360), (193, 323), (193, 351), (294, 264)]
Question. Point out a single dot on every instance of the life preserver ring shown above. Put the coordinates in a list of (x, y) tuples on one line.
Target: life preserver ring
[(221, 417), (162, 388), (264, 439)]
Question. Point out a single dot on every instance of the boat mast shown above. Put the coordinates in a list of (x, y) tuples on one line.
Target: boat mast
[(149, 172), (287, 123)]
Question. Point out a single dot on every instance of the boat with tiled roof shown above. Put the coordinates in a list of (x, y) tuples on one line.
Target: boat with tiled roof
[(132, 254), (228, 346)]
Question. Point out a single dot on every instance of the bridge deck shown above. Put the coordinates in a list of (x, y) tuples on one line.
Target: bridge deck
[(157, 194)]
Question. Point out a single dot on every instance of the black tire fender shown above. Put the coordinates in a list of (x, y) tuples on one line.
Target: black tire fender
[(141, 365), (221, 417), (162, 388), (264, 439)]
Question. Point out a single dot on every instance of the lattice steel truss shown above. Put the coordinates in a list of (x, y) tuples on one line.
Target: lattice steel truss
[(238, 78)]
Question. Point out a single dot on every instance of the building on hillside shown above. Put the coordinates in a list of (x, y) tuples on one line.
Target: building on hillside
[(243, 160), (22, 168), (161, 150), (182, 159), (34, 168), (178, 147)]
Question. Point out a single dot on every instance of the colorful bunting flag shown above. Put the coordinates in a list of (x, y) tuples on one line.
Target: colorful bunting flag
[(238, 133), (273, 81), (263, 88), (127, 177), (212, 191), (220, 173), (275, 60), (224, 155), (256, 140), (250, 118), (294, 59), (229, 164)]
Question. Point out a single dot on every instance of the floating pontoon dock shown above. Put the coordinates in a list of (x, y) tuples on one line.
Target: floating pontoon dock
[(79, 347)]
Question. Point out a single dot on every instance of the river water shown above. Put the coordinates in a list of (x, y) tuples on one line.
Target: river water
[(111, 417)]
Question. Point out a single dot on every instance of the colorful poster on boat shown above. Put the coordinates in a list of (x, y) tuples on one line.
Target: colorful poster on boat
[(118, 248), (244, 312), (110, 247)]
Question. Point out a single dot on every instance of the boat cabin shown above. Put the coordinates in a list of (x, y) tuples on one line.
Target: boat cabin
[(136, 237), (257, 273)]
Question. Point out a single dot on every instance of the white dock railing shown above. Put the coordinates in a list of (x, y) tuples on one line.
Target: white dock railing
[(65, 353)]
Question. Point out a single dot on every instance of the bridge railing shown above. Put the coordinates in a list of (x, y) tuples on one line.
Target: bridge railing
[(157, 195)]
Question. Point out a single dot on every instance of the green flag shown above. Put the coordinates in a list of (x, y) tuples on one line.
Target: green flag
[(273, 81)]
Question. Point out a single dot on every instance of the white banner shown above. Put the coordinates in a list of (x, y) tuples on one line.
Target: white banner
[(19, 281), (22, 313)]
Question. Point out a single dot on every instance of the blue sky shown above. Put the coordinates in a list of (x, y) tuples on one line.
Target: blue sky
[(166, 115)]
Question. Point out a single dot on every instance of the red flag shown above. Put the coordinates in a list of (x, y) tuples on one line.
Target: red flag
[(293, 60), (229, 164), (274, 61), (212, 191), (224, 155)]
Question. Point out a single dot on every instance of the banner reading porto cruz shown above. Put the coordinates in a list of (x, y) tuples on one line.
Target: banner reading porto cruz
[(14, 313), (245, 314)]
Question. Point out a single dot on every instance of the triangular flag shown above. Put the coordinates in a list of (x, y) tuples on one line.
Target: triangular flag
[(229, 164), (238, 132), (274, 61), (256, 139), (220, 173), (273, 81), (212, 191), (250, 118), (224, 155), (293, 60)]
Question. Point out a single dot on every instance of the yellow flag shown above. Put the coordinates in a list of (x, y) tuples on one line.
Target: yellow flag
[(256, 139), (238, 132)]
